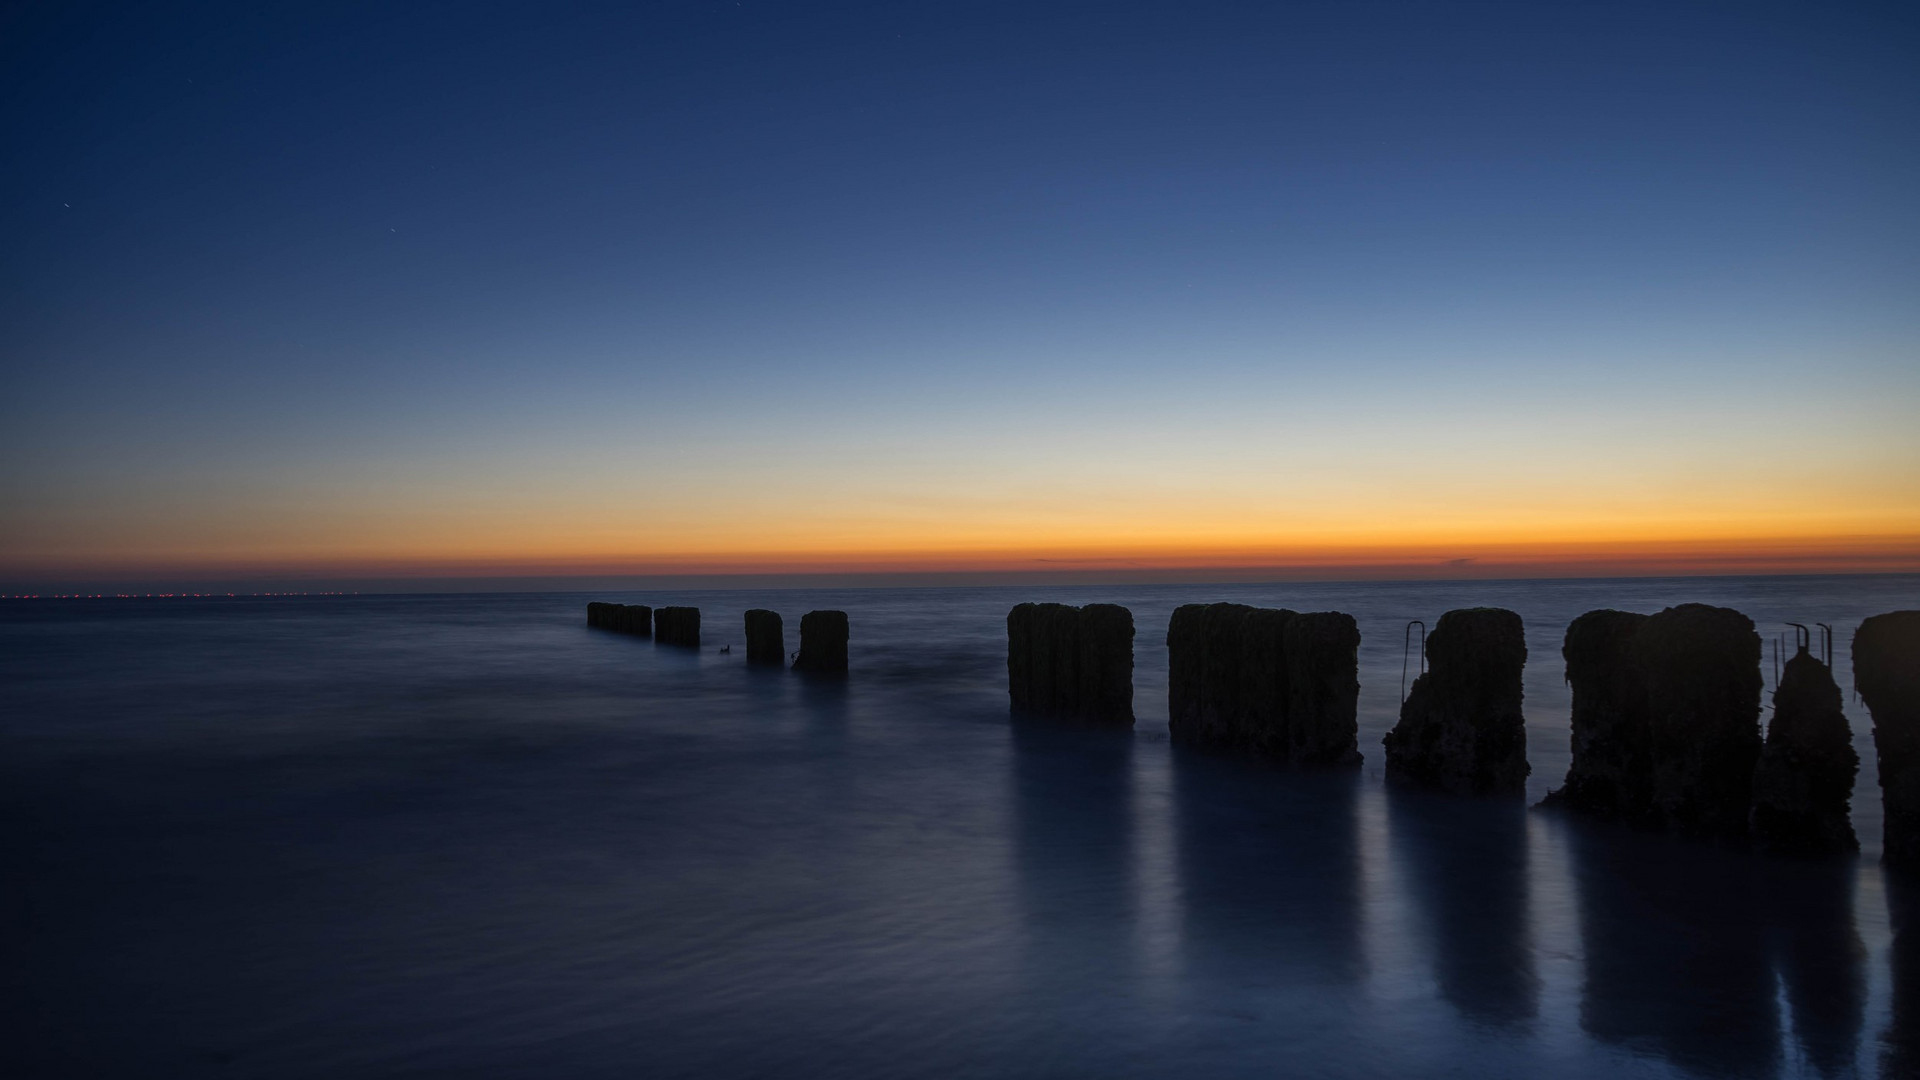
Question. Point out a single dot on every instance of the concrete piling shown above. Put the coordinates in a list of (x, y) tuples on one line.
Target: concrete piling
[(1611, 774), (1666, 733), (1106, 663), (1227, 669), (677, 626), (1323, 688), (1251, 683), (635, 619), (1461, 729), (766, 639), (1886, 673), (1071, 661), (1270, 682), (1701, 666), (1804, 781), (823, 643)]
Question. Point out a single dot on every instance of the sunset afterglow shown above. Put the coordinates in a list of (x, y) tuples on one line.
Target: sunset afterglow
[(1570, 301)]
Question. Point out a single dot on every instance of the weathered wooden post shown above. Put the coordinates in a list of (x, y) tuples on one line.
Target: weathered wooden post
[(1702, 670), (823, 643), (1461, 729), (1106, 664), (1611, 774), (1276, 683), (677, 626), (1886, 673), (1217, 665), (634, 619), (766, 638), (1804, 782), (1186, 673), (1323, 689), (1257, 720), (1071, 661)]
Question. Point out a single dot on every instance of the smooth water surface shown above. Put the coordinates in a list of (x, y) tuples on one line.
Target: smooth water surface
[(466, 835)]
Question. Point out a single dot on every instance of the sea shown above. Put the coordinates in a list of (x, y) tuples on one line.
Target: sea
[(468, 836)]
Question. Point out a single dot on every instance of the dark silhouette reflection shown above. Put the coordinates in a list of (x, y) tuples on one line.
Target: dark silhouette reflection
[(825, 701), (1073, 847), (1819, 956), (1900, 1043), (1466, 863), (1675, 939), (1269, 870)]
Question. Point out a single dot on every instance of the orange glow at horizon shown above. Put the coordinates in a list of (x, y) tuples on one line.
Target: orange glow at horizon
[(1314, 501), (1461, 553)]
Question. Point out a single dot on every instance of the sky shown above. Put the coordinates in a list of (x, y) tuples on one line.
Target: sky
[(326, 290)]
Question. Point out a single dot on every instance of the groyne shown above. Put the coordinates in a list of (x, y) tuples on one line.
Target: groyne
[(1803, 785), (1271, 682), (823, 643), (677, 626), (1886, 673), (1461, 729), (1665, 719), (1071, 661), (766, 638), (1611, 774), (635, 619)]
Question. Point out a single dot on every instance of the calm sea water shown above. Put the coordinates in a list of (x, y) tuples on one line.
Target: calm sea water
[(467, 836)]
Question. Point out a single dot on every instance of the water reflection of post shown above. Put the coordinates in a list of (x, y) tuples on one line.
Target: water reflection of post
[(1676, 954), (824, 701), (1900, 1043), (1467, 866), (1820, 957), (1270, 872), (1073, 852)]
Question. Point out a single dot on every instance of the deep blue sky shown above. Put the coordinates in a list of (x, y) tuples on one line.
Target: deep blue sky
[(315, 280)]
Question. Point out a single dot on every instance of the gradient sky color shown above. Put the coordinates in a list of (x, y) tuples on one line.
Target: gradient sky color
[(530, 288)]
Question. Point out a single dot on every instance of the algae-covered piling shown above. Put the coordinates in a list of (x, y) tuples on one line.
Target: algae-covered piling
[(1804, 782), (1611, 774), (677, 626), (766, 638), (1461, 729), (635, 619), (1701, 665), (823, 643), (1071, 661), (1269, 682), (1886, 672)]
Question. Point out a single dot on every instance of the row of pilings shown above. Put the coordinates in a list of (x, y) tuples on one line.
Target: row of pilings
[(1666, 726), (823, 634)]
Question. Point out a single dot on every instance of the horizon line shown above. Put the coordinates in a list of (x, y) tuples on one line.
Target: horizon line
[(1062, 577)]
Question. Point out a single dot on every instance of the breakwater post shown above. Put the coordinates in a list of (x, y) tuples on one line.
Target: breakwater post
[(1323, 689), (1207, 645), (636, 619), (1611, 774), (1886, 674), (1461, 729), (1666, 733), (1804, 781), (1701, 666), (1071, 661), (766, 638), (823, 642), (677, 626), (1267, 681)]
